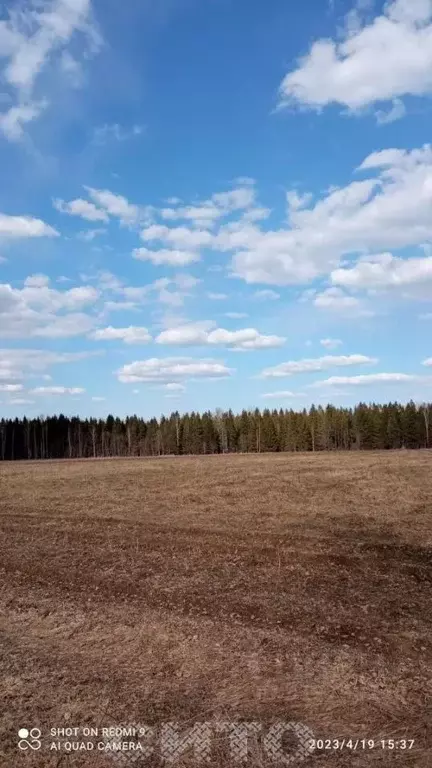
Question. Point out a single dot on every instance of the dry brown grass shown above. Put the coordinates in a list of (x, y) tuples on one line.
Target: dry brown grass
[(292, 587)]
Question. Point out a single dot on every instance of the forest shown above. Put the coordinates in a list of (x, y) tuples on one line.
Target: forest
[(364, 427)]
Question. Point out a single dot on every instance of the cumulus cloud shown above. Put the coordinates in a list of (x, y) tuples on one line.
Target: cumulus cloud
[(64, 326), (174, 387), (178, 237), (82, 208), (166, 256), (103, 205), (376, 62), (115, 205), (428, 361), (37, 281), (389, 211), (40, 311), (198, 335), (166, 369), (131, 335), (167, 291), (335, 300), (206, 213), (330, 343), (316, 364), (384, 271), (24, 226)]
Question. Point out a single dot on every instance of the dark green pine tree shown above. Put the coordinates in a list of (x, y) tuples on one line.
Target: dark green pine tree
[(412, 427)]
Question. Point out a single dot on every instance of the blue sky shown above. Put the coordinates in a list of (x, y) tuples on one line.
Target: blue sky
[(214, 203)]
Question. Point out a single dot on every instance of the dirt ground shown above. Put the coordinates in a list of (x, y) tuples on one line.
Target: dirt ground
[(263, 588)]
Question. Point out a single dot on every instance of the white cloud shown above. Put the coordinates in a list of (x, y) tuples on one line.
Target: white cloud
[(384, 271), (316, 364), (11, 388), (255, 214), (82, 208), (186, 335), (216, 296), (282, 395), (166, 369), (198, 335), (167, 291), (206, 213), (246, 338), (36, 293), (33, 310), (178, 237), (166, 256), (89, 235), (65, 326), (48, 391), (35, 35), (296, 201), (16, 364), (13, 121), (236, 315), (172, 298), (371, 378), (201, 215), (335, 300), (184, 281), (72, 68), (174, 387), (379, 61), (37, 281), (119, 306), (115, 205), (103, 134), (428, 361), (107, 281), (98, 399), (266, 295), (130, 335), (24, 226), (330, 343), (104, 205), (397, 111), (387, 212)]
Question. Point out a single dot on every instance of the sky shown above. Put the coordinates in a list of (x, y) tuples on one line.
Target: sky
[(214, 204)]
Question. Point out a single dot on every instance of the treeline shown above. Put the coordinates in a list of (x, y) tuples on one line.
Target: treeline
[(365, 427)]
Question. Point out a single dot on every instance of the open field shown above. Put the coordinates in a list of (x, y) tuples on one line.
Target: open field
[(262, 587)]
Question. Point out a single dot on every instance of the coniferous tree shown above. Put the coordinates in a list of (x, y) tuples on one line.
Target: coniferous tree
[(366, 427)]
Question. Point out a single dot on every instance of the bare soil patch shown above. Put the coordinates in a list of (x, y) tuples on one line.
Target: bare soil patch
[(262, 587)]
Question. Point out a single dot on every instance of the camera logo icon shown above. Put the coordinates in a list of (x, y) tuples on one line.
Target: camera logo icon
[(29, 739)]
